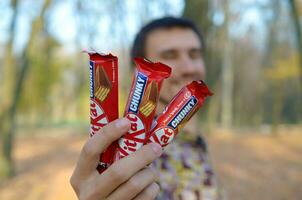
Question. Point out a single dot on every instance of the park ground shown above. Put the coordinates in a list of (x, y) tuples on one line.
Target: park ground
[(248, 166)]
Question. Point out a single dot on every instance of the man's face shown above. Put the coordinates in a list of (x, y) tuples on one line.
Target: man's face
[(180, 49)]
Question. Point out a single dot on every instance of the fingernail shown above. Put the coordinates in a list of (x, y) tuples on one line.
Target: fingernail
[(157, 149), (122, 123)]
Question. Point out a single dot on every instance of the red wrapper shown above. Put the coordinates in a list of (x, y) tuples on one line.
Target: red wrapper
[(182, 107), (141, 105), (103, 97)]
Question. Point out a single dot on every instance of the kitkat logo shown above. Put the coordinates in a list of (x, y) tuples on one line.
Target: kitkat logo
[(98, 118), (162, 136), (134, 138)]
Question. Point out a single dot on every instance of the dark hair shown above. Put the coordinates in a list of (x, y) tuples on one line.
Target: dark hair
[(138, 48)]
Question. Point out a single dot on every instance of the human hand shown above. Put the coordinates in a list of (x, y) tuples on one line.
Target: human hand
[(127, 179)]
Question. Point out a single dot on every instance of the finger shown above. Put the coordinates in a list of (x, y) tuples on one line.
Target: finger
[(120, 171), (149, 193), (134, 185), (96, 144)]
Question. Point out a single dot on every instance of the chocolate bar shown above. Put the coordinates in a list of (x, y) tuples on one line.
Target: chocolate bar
[(141, 105), (182, 107), (103, 98)]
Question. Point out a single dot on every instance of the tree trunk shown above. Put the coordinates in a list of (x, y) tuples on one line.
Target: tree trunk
[(8, 120), (271, 54), (298, 32), (9, 59), (198, 10), (277, 106), (227, 79), (10, 69)]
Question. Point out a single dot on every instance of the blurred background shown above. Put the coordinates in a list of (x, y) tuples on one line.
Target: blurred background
[(253, 123)]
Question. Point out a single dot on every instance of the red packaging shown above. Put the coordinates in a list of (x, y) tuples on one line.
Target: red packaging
[(141, 105), (103, 97), (182, 107)]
